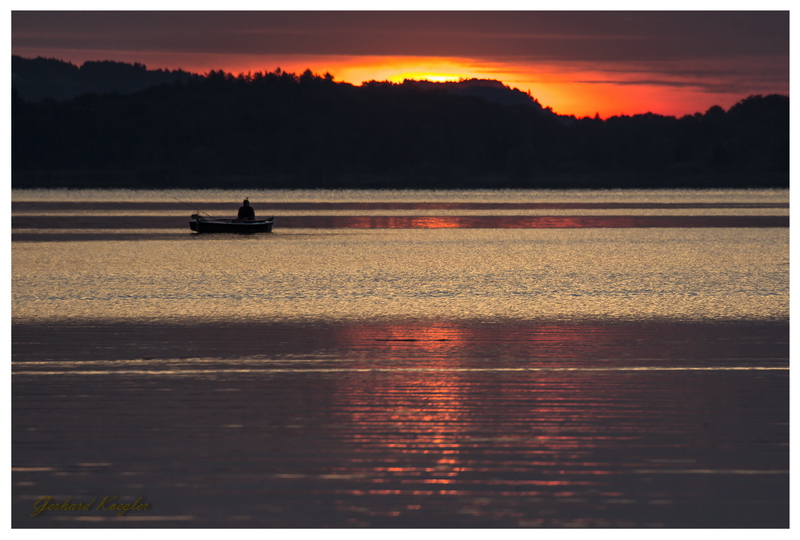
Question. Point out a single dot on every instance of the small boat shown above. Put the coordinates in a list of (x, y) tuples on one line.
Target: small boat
[(234, 226)]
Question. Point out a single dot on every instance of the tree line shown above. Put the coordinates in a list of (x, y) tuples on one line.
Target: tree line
[(41, 78), (282, 130)]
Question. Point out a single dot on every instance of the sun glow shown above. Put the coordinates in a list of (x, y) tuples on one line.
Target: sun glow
[(398, 69), (568, 88), (433, 77)]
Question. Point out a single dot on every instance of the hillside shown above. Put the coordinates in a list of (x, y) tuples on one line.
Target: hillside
[(282, 130), (46, 78)]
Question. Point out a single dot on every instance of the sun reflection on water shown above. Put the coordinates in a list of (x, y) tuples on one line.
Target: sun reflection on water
[(440, 375), (398, 423)]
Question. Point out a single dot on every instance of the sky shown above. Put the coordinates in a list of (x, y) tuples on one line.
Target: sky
[(576, 62)]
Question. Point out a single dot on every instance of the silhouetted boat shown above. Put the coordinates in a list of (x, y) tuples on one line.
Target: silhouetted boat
[(204, 225)]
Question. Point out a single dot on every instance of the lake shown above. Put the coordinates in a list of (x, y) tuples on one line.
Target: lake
[(402, 359)]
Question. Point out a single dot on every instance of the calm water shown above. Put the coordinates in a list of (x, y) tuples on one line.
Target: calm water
[(396, 359)]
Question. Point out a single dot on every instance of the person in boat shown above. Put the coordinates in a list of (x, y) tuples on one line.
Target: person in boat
[(246, 212)]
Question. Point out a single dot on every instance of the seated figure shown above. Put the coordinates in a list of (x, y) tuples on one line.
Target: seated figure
[(246, 212)]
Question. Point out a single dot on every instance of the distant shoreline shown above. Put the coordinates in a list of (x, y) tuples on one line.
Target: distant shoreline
[(282, 131)]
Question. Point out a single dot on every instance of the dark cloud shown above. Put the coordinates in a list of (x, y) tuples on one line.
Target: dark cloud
[(698, 84), (557, 36), (581, 62)]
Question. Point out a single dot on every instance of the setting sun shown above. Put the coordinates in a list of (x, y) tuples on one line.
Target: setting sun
[(433, 77), (568, 88), (399, 269), (576, 63)]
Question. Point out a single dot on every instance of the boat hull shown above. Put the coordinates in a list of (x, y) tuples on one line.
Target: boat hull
[(231, 226)]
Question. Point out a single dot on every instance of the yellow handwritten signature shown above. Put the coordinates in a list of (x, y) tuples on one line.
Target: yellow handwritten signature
[(46, 504)]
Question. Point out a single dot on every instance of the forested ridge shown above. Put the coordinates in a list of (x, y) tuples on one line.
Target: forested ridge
[(281, 130)]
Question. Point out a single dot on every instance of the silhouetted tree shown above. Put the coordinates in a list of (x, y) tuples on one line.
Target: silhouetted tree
[(277, 129)]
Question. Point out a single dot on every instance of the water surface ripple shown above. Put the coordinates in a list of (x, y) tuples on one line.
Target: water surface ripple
[(403, 359)]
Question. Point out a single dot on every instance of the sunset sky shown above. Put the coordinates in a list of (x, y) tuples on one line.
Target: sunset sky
[(576, 62)]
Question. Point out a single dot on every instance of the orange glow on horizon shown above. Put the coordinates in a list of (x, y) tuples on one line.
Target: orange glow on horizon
[(579, 89)]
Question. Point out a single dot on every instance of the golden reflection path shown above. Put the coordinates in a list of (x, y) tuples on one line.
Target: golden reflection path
[(411, 424)]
